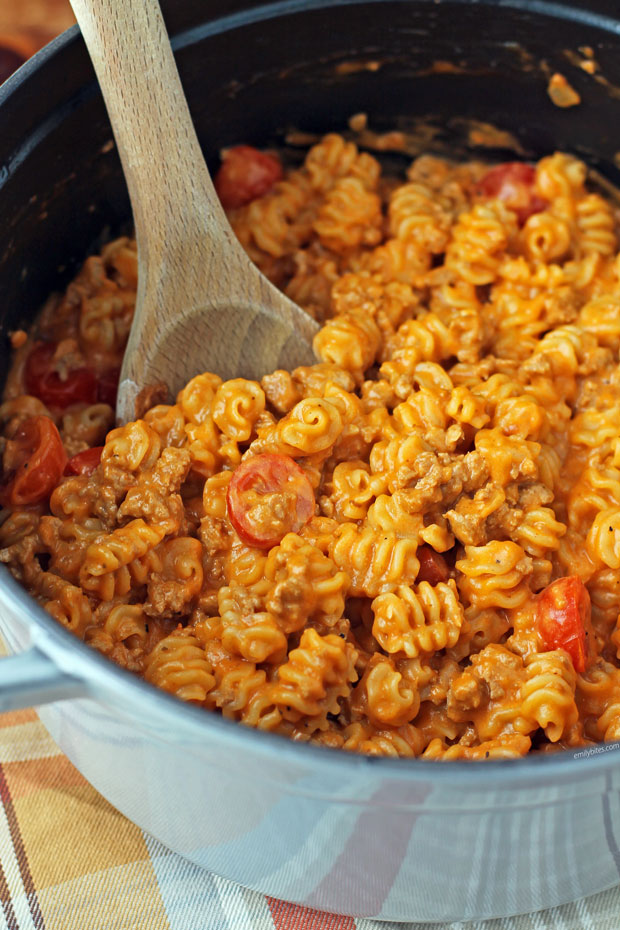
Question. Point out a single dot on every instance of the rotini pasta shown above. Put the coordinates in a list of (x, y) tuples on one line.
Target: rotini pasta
[(411, 547)]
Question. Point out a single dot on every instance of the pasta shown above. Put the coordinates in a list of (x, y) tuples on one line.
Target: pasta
[(410, 548)]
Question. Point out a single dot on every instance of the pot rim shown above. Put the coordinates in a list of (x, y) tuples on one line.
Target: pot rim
[(101, 676), (276, 8)]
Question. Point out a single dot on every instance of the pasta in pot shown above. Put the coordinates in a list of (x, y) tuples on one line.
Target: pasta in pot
[(409, 548)]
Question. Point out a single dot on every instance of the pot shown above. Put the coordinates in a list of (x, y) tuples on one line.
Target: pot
[(394, 839)]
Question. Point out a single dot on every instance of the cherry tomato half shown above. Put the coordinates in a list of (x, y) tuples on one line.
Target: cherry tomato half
[(268, 497), (513, 183), (107, 386), (563, 617), (45, 383), (84, 463), (245, 174), (433, 566), (34, 461)]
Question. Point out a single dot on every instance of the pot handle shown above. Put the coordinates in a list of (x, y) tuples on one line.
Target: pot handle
[(31, 677)]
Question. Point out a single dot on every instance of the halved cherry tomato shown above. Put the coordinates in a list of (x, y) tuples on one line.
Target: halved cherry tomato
[(45, 383), (513, 183), (245, 174), (34, 460), (563, 617), (84, 463), (268, 497), (107, 386), (433, 566)]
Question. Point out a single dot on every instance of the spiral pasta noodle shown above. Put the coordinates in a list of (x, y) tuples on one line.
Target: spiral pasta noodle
[(416, 621)]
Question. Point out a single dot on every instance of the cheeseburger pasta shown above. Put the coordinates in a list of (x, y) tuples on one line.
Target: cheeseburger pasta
[(411, 547)]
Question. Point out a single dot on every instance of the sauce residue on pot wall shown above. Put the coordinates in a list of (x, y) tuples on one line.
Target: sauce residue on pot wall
[(585, 60), (561, 93), (423, 135)]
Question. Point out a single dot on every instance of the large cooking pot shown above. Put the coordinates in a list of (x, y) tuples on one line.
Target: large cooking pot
[(395, 839)]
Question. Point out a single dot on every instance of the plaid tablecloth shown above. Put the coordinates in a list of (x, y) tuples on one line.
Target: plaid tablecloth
[(70, 861)]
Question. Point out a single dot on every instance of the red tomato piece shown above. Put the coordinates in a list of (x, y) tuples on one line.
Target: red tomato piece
[(245, 174), (45, 383), (513, 183), (563, 617), (34, 461), (433, 566), (84, 463), (107, 386), (268, 497)]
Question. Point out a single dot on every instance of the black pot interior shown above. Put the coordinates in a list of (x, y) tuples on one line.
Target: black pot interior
[(253, 72)]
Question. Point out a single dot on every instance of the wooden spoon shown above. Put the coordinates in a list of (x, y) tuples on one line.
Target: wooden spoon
[(201, 305)]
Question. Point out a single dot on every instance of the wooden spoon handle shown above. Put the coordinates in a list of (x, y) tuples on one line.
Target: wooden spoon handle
[(201, 303), (169, 184)]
